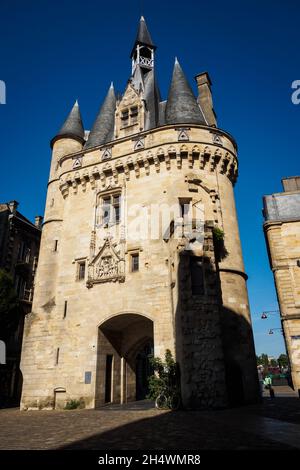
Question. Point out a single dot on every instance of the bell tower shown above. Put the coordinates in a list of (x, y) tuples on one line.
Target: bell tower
[(142, 53)]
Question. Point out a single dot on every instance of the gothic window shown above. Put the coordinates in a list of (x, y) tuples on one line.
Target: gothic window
[(133, 114), (134, 262), (23, 255), (184, 207), (81, 270), (197, 275), (129, 117), (110, 208), (125, 117), (27, 255), (106, 210)]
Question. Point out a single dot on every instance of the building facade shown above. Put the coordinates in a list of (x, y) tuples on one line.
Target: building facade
[(141, 252), (19, 248), (282, 233)]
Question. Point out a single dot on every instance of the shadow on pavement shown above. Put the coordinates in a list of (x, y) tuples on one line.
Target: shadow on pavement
[(181, 430)]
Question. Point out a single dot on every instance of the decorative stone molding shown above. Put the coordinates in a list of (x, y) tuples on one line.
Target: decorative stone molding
[(195, 156), (107, 153), (77, 163), (139, 144), (183, 134), (217, 139)]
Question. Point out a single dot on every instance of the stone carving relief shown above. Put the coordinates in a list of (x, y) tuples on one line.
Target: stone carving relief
[(108, 265), (130, 97)]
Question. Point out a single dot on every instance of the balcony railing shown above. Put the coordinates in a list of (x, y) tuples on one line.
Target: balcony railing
[(146, 62)]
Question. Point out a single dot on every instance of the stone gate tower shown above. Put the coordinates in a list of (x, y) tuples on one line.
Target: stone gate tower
[(116, 279)]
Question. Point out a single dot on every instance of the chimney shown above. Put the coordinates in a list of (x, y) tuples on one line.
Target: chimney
[(38, 221), (205, 98), (291, 183), (13, 205)]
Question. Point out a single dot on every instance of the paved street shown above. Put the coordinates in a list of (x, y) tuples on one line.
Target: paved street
[(271, 425)]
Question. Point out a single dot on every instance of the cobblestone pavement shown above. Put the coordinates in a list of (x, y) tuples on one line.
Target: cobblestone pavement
[(140, 426)]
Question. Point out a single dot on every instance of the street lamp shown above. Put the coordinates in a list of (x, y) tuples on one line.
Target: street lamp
[(271, 331), (265, 314)]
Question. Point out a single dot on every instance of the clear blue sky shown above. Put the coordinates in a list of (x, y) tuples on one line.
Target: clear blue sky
[(53, 52)]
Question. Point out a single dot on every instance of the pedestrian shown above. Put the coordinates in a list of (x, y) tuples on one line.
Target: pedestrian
[(268, 386)]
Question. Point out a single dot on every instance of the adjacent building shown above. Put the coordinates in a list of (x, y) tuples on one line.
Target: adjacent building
[(117, 280), (19, 248), (282, 232)]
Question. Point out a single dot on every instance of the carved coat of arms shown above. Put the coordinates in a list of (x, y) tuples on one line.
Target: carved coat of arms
[(107, 265)]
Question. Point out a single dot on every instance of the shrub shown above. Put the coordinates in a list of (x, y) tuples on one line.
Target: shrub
[(218, 234), (219, 244), (166, 375), (72, 405)]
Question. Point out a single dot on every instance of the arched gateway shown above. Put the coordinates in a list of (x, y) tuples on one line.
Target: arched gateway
[(125, 343)]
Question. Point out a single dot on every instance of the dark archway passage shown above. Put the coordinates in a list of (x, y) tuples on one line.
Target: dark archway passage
[(143, 370), (125, 342)]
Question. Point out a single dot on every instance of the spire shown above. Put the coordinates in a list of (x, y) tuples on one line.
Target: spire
[(142, 53), (103, 128), (143, 37), (72, 127), (182, 106)]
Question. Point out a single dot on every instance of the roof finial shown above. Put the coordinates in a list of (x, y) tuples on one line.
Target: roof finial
[(176, 60)]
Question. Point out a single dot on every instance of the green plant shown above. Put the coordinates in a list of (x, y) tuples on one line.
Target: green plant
[(72, 405), (218, 234), (165, 377), (219, 244)]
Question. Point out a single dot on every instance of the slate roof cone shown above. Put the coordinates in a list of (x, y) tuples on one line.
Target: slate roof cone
[(72, 127), (143, 36), (103, 127), (182, 106)]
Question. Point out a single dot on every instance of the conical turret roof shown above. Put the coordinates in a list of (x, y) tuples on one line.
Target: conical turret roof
[(72, 127), (103, 128), (143, 36), (182, 106)]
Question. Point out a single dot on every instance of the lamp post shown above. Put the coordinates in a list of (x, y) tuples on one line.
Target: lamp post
[(265, 314), (271, 331)]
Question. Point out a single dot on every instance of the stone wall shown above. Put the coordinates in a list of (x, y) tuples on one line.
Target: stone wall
[(283, 241), (60, 340)]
